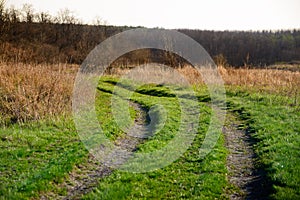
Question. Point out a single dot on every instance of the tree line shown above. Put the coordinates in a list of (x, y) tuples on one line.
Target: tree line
[(257, 48), (28, 36)]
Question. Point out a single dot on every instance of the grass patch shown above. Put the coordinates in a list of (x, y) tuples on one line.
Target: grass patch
[(189, 177), (273, 123), (34, 156)]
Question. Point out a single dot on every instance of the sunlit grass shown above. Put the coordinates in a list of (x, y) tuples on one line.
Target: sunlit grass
[(190, 176), (34, 156), (40, 146), (274, 125)]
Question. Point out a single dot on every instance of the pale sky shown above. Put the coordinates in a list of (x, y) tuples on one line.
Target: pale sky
[(192, 14)]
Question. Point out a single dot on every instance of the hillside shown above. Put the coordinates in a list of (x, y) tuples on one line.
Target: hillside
[(54, 42)]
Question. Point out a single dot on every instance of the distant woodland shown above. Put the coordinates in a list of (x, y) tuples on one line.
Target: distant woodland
[(27, 36)]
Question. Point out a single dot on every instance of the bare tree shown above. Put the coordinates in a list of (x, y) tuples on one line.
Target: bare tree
[(99, 21), (28, 13), (2, 6), (44, 17), (13, 15), (66, 16)]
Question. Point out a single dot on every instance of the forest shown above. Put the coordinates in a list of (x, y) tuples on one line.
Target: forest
[(28, 36)]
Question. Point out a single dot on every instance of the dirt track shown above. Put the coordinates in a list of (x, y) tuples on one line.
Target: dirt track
[(84, 178), (242, 174)]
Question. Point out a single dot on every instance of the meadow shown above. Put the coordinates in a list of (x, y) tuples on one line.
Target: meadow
[(42, 154)]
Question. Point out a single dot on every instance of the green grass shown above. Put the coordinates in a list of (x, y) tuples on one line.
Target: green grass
[(33, 156), (189, 177), (273, 122), (36, 156)]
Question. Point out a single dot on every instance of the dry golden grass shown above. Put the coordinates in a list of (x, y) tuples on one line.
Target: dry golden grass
[(281, 82), (32, 92), (272, 80), (266, 78)]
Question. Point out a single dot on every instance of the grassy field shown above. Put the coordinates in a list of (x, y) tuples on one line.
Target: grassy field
[(189, 177), (40, 146)]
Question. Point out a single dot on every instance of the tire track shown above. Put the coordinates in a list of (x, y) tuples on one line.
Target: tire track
[(241, 162), (84, 178)]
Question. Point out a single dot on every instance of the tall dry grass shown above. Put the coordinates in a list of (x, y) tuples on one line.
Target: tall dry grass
[(280, 82), (272, 81), (35, 91)]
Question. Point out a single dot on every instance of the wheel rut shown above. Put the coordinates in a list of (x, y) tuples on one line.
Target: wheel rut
[(242, 174), (85, 177)]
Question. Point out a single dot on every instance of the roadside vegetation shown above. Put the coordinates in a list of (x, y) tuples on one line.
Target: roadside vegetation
[(40, 146)]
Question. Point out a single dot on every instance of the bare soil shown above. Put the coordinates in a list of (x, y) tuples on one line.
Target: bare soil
[(246, 181)]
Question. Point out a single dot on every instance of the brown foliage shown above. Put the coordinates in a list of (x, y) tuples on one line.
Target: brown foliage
[(31, 92)]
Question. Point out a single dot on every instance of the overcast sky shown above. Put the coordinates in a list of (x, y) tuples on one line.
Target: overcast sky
[(193, 14)]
